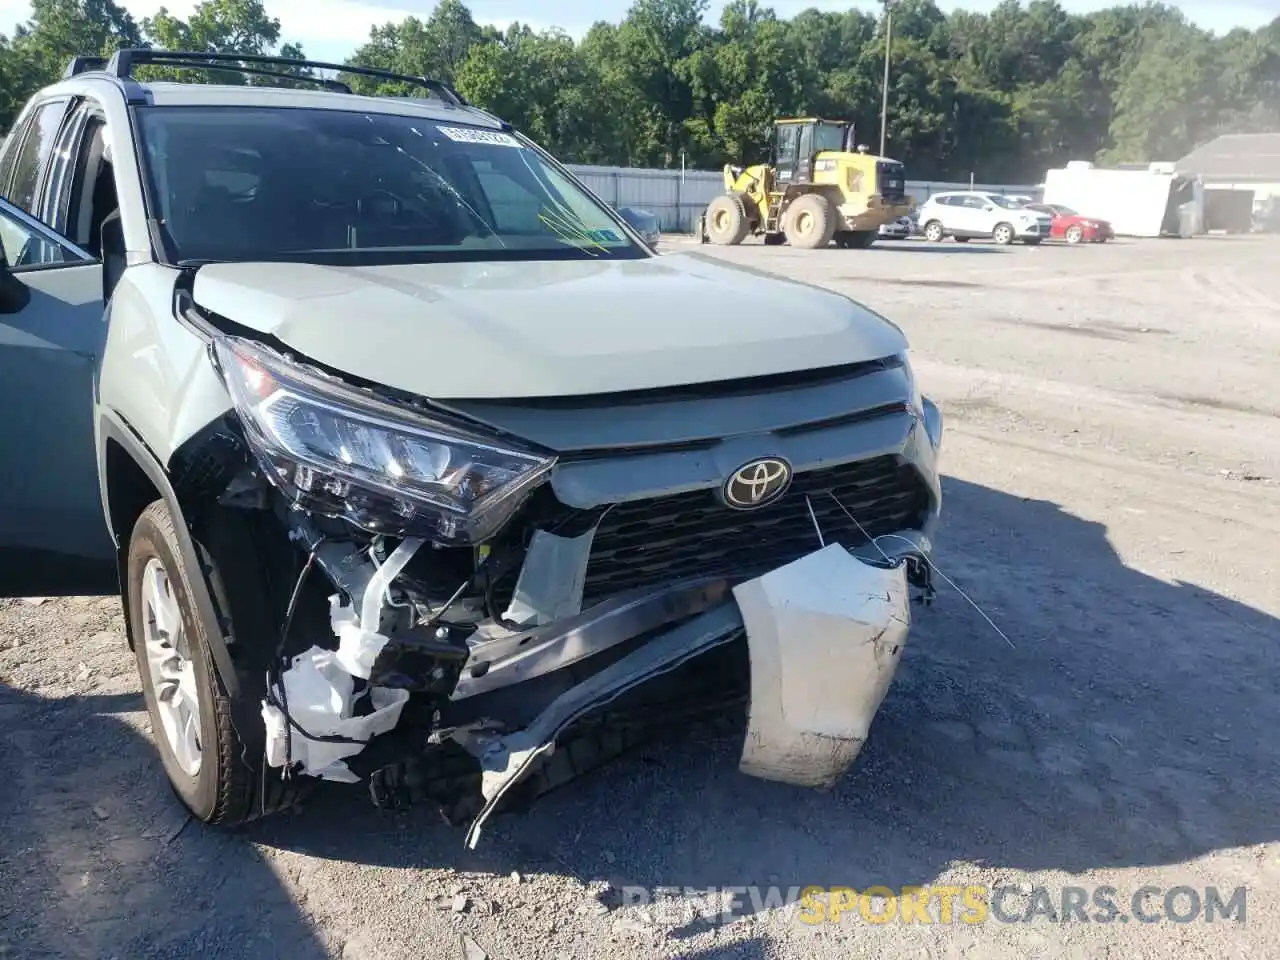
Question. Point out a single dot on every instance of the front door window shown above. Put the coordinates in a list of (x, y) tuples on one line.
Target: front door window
[(29, 245)]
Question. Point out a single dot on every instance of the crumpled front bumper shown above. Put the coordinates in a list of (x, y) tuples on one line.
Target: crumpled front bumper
[(825, 635)]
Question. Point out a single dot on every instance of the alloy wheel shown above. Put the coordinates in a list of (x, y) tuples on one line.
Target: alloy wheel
[(171, 671)]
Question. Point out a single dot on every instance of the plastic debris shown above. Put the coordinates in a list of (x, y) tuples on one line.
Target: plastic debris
[(320, 697)]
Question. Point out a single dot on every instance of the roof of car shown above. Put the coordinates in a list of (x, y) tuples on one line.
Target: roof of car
[(214, 95)]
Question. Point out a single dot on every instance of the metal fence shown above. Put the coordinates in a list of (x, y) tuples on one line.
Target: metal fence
[(677, 197)]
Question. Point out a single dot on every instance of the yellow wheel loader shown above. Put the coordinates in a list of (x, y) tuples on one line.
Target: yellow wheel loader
[(817, 187)]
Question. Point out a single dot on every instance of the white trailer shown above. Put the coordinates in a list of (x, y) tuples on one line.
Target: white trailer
[(1150, 201)]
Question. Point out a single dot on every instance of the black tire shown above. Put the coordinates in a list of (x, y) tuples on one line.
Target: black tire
[(727, 223), (1003, 234), (810, 222), (232, 785), (934, 232)]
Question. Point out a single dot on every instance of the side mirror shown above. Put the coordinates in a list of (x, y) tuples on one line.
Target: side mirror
[(14, 294)]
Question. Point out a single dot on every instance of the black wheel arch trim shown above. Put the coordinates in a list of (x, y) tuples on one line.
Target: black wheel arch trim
[(112, 426)]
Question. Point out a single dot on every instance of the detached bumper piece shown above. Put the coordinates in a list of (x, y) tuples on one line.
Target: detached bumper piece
[(825, 635)]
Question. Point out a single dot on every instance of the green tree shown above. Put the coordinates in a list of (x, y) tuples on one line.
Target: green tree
[(217, 26), (435, 48), (1168, 101), (56, 31)]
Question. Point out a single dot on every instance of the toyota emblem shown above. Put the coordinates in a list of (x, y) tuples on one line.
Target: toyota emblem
[(757, 483)]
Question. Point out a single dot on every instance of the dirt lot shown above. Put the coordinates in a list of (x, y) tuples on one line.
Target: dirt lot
[(1113, 502)]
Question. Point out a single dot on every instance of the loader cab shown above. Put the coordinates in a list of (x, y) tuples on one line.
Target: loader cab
[(797, 144)]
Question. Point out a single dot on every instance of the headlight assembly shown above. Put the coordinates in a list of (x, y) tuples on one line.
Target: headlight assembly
[(339, 452)]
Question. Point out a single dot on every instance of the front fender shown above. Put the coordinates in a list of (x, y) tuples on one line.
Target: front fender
[(112, 428)]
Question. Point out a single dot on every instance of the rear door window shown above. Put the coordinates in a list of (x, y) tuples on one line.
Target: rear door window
[(33, 154)]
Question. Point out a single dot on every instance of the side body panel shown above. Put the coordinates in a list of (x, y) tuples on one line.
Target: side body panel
[(52, 535)]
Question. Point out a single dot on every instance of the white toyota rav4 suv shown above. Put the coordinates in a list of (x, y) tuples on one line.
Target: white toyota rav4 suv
[(413, 464), (969, 214)]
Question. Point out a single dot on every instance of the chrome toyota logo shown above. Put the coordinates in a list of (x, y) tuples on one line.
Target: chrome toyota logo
[(757, 483)]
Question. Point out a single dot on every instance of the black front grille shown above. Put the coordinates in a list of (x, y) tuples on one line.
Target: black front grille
[(649, 542)]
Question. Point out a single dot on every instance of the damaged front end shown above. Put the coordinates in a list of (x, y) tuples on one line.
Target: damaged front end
[(497, 573)]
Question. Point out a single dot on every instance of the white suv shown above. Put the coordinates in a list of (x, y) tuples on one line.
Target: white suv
[(968, 214), (407, 454)]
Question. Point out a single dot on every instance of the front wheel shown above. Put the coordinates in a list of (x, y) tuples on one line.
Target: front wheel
[(810, 222), (727, 223), (1074, 234), (211, 744), (933, 231), (1002, 234)]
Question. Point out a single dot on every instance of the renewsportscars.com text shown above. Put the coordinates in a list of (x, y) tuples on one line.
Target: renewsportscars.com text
[(945, 904)]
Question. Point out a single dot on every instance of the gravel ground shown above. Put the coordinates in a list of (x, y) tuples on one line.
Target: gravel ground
[(1113, 500)]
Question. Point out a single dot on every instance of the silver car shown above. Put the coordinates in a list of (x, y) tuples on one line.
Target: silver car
[(899, 229), (409, 459)]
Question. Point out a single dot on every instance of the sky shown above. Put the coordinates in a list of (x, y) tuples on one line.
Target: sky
[(331, 29)]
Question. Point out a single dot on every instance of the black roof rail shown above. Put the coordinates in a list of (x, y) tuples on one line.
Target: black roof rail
[(122, 63), (79, 65)]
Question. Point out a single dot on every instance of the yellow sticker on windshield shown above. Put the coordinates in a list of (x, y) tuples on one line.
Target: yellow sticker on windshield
[(494, 138)]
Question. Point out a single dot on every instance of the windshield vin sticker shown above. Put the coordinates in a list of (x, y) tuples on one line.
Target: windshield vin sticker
[(471, 135)]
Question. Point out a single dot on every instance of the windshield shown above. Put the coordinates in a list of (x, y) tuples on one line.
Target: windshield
[(328, 186), (828, 136), (1064, 211)]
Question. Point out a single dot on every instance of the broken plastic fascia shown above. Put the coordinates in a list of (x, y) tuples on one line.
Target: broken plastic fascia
[(825, 635), (508, 760), (360, 638), (551, 580), (319, 685), (320, 694)]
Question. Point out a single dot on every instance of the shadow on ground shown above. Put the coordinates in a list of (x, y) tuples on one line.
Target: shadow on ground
[(97, 859), (1130, 727)]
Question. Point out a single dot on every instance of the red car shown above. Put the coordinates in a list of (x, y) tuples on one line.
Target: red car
[(1071, 226)]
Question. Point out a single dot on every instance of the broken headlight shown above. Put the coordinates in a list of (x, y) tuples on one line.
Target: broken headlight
[(341, 452)]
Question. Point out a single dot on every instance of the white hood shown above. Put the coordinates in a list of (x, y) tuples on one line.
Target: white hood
[(454, 331)]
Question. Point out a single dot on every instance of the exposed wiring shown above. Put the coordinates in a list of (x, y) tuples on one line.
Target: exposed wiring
[(863, 530), (280, 652), (277, 694), (814, 517), (875, 542), (954, 586), (435, 617)]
